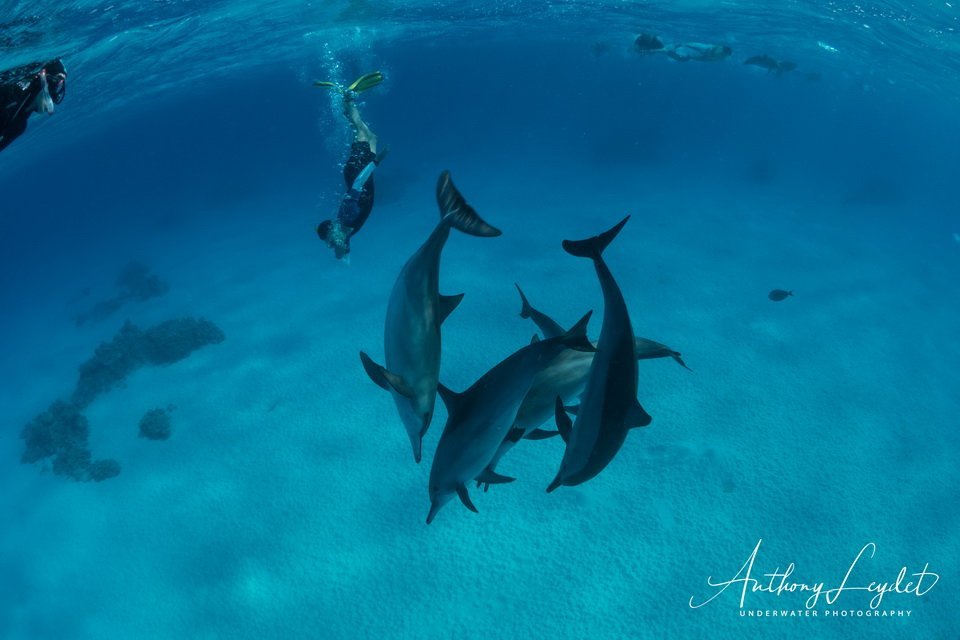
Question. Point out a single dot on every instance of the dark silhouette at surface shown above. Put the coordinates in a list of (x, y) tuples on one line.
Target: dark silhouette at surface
[(31, 88)]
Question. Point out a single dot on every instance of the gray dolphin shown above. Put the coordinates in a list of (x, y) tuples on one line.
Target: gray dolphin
[(479, 418), (647, 349), (565, 377), (609, 406), (414, 315)]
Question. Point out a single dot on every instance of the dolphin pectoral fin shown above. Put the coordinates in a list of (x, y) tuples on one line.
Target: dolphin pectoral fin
[(637, 417), (465, 498), (564, 424), (434, 509), (447, 305), (383, 378), (676, 356), (514, 435), (541, 434), (488, 477)]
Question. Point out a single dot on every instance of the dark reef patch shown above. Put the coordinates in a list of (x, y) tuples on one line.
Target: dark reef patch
[(155, 425), (135, 283), (61, 432), (132, 348)]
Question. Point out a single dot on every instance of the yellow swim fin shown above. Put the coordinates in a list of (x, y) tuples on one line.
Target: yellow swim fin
[(366, 81)]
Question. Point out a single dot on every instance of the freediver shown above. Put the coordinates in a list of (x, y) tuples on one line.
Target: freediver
[(364, 158)]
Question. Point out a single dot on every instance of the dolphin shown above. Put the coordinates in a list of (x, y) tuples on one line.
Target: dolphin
[(770, 64), (415, 312), (647, 349), (609, 406), (565, 377), (479, 418)]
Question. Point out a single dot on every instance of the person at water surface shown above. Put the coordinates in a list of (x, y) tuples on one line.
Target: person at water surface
[(28, 89)]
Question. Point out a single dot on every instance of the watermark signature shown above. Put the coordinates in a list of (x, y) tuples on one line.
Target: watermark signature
[(778, 582)]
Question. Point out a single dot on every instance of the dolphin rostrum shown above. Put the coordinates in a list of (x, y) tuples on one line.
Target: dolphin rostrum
[(609, 406), (415, 312), (479, 418)]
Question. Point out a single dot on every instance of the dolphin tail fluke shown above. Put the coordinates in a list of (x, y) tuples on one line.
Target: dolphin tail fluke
[(525, 307), (576, 337), (465, 498), (564, 424), (637, 416), (454, 207), (384, 379), (593, 247)]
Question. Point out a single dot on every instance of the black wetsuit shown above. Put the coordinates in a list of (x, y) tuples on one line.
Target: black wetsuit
[(19, 89), (356, 208)]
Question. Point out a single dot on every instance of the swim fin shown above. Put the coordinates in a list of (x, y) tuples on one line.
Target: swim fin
[(366, 81)]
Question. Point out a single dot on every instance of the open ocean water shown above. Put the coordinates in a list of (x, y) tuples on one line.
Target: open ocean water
[(807, 457)]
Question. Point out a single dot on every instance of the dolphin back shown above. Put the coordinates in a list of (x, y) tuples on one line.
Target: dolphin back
[(462, 216)]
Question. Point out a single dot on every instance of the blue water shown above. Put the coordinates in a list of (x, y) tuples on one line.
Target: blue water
[(286, 504)]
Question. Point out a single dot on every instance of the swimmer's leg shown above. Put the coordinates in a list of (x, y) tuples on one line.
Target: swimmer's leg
[(362, 132)]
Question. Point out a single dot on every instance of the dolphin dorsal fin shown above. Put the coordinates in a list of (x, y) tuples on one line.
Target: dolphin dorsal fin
[(576, 337), (446, 306), (525, 307), (637, 416), (451, 399), (535, 339)]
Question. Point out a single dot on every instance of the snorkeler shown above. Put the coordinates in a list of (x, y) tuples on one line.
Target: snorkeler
[(682, 51), (358, 172), (31, 88)]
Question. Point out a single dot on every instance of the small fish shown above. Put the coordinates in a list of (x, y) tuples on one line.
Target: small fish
[(779, 294)]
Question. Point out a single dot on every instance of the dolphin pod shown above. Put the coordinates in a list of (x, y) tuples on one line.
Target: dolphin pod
[(565, 377), (516, 397), (411, 336), (609, 406), (478, 419)]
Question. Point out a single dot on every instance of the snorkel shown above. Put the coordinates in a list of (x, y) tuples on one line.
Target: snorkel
[(44, 102)]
